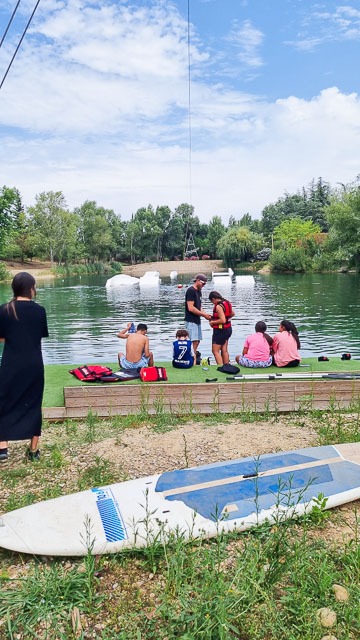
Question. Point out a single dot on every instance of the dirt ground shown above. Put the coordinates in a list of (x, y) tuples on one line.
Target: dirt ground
[(43, 269)]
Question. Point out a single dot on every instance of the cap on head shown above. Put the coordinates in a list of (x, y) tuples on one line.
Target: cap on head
[(200, 276)]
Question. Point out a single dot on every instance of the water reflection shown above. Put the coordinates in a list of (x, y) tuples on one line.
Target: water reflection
[(84, 317)]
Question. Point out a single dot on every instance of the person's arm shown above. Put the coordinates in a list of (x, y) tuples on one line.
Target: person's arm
[(2, 339), (124, 333), (147, 347), (221, 316), (275, 344), (191, 307)]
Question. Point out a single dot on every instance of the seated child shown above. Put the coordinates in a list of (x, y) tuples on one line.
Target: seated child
[(182, 356), (286, 344), (257, 349)]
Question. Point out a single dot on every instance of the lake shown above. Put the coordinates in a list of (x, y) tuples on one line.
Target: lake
[(84, 317)]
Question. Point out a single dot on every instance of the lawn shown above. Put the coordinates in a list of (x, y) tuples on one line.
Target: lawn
[(57, 376)]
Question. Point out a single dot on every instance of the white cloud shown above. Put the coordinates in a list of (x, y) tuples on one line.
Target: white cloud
[(248, 40), (341, 24), (99, 113)]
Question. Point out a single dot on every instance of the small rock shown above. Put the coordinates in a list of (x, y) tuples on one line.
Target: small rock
[(341, 594), (326, 617), (330, 637)]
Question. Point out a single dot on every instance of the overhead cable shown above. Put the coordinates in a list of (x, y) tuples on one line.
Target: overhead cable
[(18, 47), (189, 100), (9, 23)]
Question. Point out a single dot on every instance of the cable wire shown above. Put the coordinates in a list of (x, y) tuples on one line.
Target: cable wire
[(18, 47), (9, 23), (189, 101)]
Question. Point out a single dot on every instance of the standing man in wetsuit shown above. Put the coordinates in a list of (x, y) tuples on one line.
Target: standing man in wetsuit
[(194, 313)]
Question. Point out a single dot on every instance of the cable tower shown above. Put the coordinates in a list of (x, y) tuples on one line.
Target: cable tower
[(191, 250)]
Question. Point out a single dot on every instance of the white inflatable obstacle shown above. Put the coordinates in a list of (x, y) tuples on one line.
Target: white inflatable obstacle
[(245, 281), (150, 279), (121, 280), (222, 277)]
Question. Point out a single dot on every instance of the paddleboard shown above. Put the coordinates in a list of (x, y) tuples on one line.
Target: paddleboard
[(198, 502)]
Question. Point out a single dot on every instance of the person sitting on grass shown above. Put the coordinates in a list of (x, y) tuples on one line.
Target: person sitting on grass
[(257, 349), (286, 344), (137, 353), (182, 356)]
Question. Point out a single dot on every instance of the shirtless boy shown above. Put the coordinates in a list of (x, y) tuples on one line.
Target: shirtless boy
[(138, 353)]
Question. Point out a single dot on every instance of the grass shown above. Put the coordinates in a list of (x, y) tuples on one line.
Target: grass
[(265, 584), (57, 375)]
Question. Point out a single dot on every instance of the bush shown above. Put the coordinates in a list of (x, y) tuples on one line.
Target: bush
[(4, 273), (285, 260)]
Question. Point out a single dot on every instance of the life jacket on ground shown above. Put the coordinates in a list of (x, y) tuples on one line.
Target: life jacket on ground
[(227, 306)]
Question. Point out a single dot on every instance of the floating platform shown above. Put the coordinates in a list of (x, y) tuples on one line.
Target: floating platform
[(245, 281), (222, 277), (121, 280), (150, 279)]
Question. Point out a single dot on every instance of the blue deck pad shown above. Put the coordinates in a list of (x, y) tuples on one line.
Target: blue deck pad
[(113, 525), (244, 466), (255, 494)]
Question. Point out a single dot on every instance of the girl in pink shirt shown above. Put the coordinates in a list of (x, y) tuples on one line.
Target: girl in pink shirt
[(257, 347), (285, 345)]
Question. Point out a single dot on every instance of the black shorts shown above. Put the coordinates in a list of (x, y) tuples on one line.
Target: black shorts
[(220, 336)]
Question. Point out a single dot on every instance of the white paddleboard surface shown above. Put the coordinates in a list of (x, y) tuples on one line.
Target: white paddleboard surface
[(196, 502)]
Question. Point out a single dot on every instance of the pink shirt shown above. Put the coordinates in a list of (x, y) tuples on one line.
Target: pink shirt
[(285, 348), (258, 347)]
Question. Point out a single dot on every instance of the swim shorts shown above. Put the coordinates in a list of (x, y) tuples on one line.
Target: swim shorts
[(125, 364)]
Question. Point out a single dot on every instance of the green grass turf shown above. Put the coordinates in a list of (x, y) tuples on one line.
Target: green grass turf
[(57, 376)]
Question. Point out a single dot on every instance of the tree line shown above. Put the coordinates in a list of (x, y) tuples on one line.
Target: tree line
[(316, 228)]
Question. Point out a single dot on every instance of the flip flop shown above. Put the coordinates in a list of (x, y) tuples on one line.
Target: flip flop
[(211, 380)]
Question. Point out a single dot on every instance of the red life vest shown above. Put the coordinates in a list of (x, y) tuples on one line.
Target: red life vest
[(226, 305)]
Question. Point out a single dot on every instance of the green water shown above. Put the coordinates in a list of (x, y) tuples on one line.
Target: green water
[(84, 317)]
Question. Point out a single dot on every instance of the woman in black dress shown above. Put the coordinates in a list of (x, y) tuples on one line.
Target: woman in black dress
[(22, 325)]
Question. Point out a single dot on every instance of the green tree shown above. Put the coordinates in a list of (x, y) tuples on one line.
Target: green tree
[(10, 209), (293, 232), (343, 216), (238, 244), (216, 230), (95, 231), (48, 222)]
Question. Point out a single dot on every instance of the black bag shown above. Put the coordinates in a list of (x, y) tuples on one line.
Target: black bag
[(229, 368)]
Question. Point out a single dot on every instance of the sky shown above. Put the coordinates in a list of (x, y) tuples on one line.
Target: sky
[(224, 104)]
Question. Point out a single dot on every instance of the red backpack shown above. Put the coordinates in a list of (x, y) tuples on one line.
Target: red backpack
[(91, 372)]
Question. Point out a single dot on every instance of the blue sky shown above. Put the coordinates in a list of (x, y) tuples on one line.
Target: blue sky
[(96, 104)]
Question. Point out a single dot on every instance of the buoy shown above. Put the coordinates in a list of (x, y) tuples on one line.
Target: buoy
[(180, 286)]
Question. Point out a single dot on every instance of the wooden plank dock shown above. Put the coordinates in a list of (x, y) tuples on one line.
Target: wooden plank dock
[(206, 398)]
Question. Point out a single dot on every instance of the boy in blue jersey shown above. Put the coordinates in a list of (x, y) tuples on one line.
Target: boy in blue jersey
[(182, 356)]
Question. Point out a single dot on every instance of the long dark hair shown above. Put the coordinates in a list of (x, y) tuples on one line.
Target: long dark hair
[(213, 295), (22, 285), (261, 327), (290, 327)]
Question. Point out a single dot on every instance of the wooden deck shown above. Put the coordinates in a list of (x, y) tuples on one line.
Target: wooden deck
[(206, 398)]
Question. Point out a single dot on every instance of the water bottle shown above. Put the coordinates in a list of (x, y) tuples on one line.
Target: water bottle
[(132, 328)]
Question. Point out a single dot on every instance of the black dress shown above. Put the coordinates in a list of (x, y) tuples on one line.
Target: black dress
[(22, 370)]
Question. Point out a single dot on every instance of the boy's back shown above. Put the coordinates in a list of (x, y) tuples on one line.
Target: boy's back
[(182, 356)]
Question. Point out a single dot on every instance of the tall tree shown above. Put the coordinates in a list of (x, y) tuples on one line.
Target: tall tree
[(238, 244), (343, 215), (48, 222), (10, 209), (95, 231), (216, 229)]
